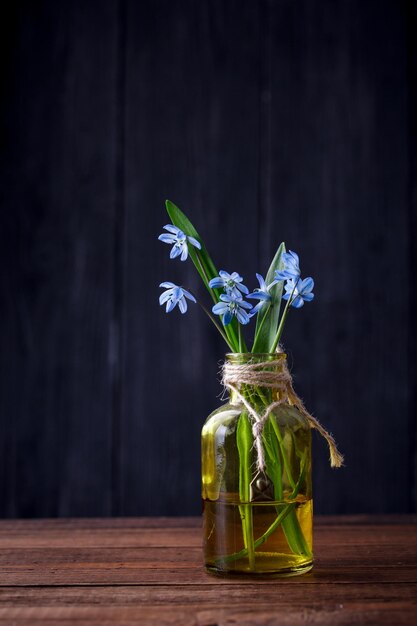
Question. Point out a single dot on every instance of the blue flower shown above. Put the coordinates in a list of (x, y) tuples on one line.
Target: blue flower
[(291, 268), (231, 306), (178, 240), (231, 283), (175, 295), (299, 292), (260, 294)]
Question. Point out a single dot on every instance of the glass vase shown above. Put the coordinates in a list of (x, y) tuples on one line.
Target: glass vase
[(257, 516)]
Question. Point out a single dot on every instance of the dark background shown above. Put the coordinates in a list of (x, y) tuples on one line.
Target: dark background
[(263, 120)]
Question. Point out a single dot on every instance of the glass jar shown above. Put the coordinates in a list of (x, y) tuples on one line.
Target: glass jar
[(257, 516)]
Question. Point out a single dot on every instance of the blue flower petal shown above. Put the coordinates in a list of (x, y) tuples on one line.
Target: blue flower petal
[(262, 283), (291, 267), (227, 318), (177, 293), (280, 275), (290, 284), (167, 238), (188, 295), (245, 305), (242, 316), (306, 285), (292, 272), (297, 303), (170, 305), (168, 284), (182, 303), (242, 288), (259, 295), (171, 228), (227, 297), (294, 256), (176, 250), (220, 308), (216, 283), (184, 253), (165, 296), (195, 243), (232, 292), (255, 309), (308, 297)]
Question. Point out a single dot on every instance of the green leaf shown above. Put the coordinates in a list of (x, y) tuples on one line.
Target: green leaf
[(272, 458), (244, 440), (203, 264), (267, 320), (206, 267)]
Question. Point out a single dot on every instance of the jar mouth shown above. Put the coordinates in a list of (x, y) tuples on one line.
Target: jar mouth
[(255, 356)]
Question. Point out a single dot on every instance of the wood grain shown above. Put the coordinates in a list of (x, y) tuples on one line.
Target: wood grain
[(57, 277), (329, 153), (264, 121), (199, 108), (149, 571)]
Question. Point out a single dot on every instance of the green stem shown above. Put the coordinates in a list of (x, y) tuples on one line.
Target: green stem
[(280, 327), (207, 280), (217, 325), (279, 519), (287, 518), (261, 324), (240, 338), (228, 330), (282, 320), (265, 401), (245, 512), (290, 525), (282, 518), (284, 456), (244, 443)]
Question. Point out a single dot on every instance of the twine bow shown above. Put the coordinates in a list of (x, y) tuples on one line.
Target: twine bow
[(277, 377)]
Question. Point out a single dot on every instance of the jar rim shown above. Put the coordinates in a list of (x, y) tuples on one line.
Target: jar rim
[(256, 355)]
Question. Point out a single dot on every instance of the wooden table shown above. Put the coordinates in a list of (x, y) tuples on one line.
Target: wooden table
[(149, 571)]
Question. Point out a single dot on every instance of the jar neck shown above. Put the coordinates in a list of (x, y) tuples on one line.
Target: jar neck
[(262, 383)]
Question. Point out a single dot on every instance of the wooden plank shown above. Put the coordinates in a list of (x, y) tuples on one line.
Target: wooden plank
[(365, 573), (256, 605), (151, 574), (66, 554), (242, 593), (148, 572), (57, 296), (183, 532), (400, 612), (191, 556), (69, 525), (192, 98)]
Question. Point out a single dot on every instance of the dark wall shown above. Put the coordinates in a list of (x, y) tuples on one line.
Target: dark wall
[(265, 121)]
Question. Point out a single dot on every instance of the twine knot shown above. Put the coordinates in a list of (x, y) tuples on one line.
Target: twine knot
[(257, 429), (273, 374)]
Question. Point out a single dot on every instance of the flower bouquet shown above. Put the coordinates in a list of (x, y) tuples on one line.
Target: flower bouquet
[(256, 448)]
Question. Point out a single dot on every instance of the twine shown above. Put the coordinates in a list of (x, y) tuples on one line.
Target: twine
[(255, 374)]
